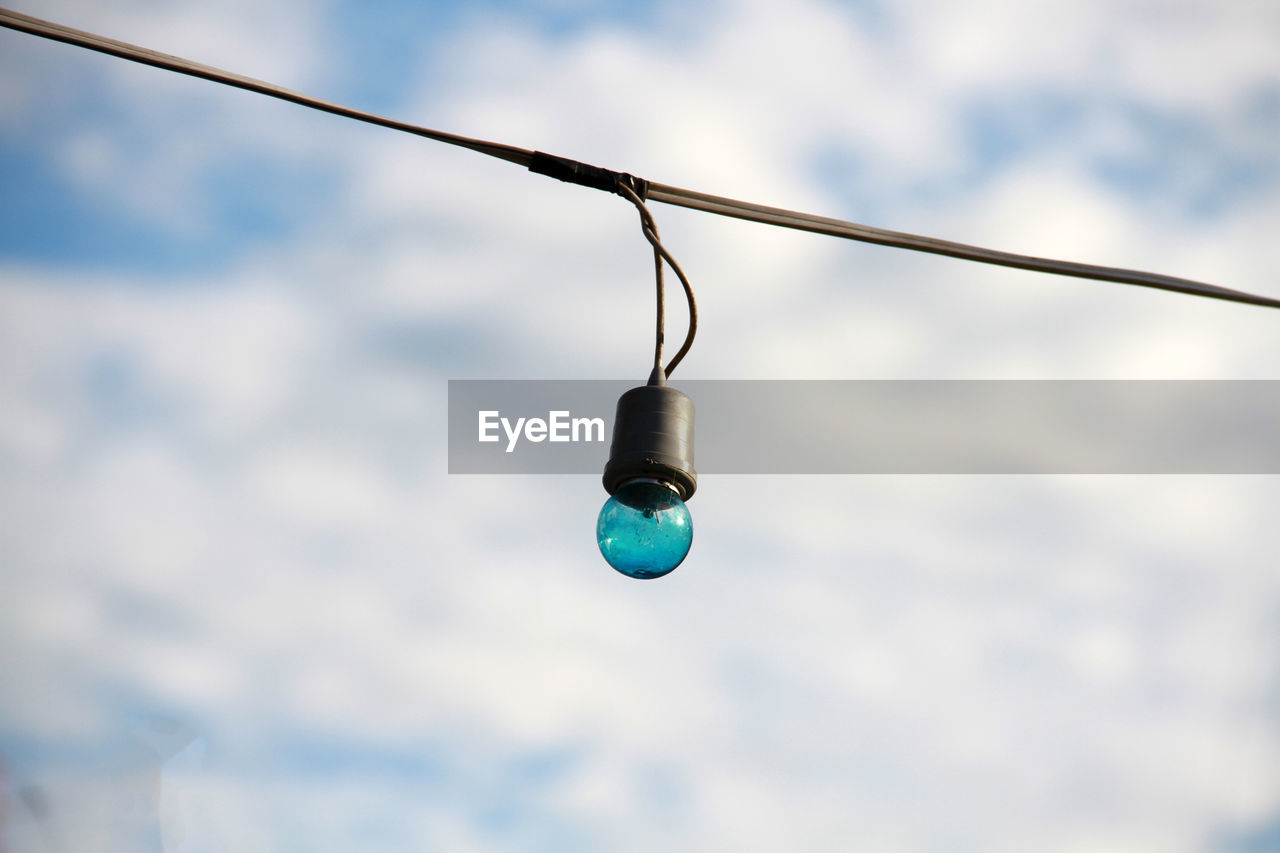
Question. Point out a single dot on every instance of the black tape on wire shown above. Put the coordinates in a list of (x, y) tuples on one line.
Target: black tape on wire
[(571, 171)]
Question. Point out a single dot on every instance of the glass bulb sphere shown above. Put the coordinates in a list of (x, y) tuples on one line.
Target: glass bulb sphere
[(644, 530)]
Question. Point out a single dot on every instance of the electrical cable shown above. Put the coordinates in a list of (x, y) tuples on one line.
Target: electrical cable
[(898, 239), (124, 50), (604, 179), (660, 254)]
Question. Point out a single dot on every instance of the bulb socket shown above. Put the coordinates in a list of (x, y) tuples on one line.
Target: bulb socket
[(653, 440)]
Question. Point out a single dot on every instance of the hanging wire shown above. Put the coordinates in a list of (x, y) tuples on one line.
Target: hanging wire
[(605, 179), (660, 254)]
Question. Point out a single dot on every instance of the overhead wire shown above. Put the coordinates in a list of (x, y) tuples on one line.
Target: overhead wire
[(902, 240), (610, 181), (124, 50)]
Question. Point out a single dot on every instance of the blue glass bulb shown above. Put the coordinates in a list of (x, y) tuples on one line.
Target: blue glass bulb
[(644, 530)]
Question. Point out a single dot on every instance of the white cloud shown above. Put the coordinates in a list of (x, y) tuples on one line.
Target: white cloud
[(261, 535)]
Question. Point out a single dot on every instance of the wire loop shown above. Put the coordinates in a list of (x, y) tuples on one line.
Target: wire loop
[(660, 254)]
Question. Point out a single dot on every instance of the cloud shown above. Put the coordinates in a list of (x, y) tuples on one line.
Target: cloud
[(226, 497)]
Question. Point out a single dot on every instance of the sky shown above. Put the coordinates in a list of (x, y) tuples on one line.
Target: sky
[(245, 607)]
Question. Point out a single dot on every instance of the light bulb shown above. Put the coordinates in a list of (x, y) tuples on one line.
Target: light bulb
[(644, 529)]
